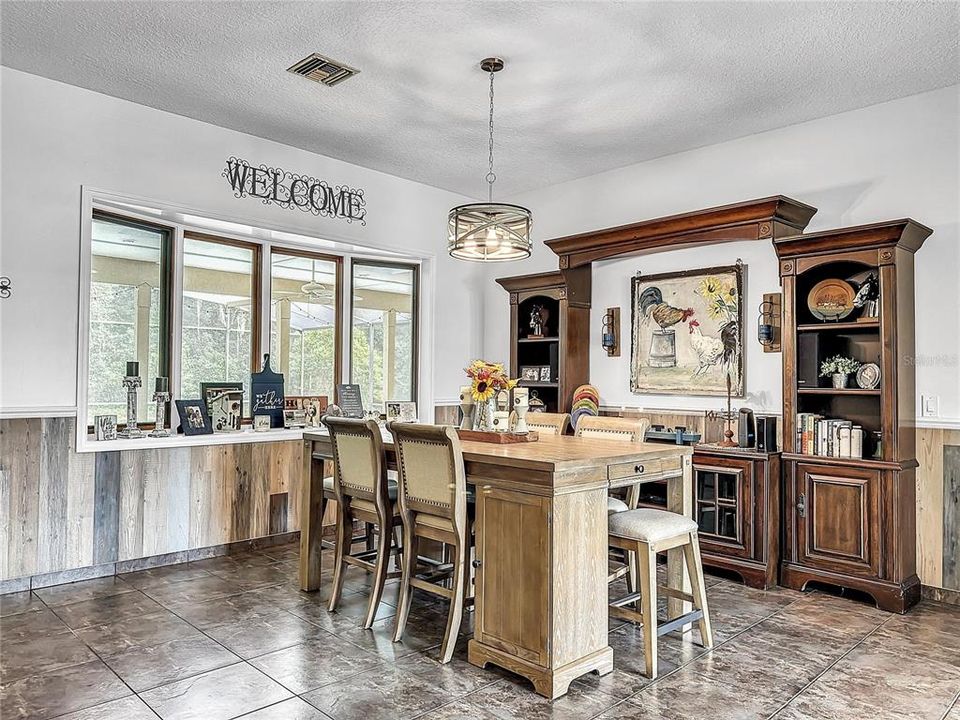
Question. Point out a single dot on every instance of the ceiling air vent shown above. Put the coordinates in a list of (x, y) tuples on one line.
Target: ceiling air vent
[(322, 69)]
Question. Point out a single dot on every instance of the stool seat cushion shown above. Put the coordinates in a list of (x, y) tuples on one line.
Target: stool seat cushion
[(615, 505), (649, 525)]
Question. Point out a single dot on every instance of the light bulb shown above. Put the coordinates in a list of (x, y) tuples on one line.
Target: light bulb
[(492, 241)]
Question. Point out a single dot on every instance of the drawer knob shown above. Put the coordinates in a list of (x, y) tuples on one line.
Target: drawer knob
[(476, 563), (638, 469)]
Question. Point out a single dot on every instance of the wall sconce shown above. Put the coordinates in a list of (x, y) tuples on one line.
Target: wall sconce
[(768, 324), (610, 337)]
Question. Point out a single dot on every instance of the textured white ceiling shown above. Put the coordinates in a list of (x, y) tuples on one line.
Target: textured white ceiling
[(589, 86)]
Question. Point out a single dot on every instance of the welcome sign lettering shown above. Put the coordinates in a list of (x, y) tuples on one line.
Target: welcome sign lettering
[(290, 190)]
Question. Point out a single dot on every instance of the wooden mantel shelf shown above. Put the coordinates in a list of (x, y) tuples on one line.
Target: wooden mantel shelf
[(767, 218)]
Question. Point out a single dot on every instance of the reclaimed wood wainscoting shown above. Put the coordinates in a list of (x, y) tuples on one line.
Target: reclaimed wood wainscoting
[(68, 516)]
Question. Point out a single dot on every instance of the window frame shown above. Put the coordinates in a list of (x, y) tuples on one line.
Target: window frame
[(256, 300), (414, 316), (292, 237), (338, 260), (167, 254)]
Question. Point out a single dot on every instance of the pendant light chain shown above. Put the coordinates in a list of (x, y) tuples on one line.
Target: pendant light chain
[(491, 176)]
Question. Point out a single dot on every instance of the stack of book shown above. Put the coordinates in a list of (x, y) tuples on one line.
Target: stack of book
[(828, 437)]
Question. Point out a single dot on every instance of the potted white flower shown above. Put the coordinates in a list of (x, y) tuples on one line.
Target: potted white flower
[(839, 368)]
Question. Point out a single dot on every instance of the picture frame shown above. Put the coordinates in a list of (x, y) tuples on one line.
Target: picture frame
[(261, 422), (226, 411), (530, 373), (408, 412), (314, 407), (391, 410), (545, 375), (687, 332), (209, 389), (194, 417), (294, 418), (105, 427)]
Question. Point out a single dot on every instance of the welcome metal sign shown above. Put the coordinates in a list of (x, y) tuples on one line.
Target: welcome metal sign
[(290, 190)]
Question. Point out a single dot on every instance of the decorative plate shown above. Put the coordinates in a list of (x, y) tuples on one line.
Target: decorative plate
[(831, 299), (868, 376)]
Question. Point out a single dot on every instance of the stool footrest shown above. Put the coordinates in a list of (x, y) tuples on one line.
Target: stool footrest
[(679, 622), (625, 600)]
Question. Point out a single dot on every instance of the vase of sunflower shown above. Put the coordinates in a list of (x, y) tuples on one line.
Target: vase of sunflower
[(486, 380)]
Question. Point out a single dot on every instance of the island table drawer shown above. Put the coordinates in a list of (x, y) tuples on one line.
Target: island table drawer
[(643, 468)]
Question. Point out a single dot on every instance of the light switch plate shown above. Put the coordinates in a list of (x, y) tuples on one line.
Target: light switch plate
[(930, 406)]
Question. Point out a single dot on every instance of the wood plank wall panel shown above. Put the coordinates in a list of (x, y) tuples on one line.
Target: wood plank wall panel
[(106, 507), (81, 506), (52, 497), (930, 493), (20, 460), (951, 516)]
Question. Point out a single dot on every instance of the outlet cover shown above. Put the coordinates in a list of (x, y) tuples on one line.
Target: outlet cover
[(931, 406)]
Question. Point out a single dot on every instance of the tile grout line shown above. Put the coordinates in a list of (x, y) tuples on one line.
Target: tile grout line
[(953, 703), (829, 668)]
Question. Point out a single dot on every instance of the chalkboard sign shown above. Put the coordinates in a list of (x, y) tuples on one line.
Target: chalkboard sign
[(266, 394), (349, 400)]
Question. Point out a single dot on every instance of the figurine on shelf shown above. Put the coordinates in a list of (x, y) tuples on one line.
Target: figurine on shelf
[(867, 297), (536, 322)]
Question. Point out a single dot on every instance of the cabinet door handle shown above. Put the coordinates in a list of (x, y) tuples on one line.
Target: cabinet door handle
[(638, 469), (476, 563), (802, 505)]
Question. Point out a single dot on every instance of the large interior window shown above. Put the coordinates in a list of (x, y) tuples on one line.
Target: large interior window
[(384, 331), (304, 332), (219, 340), (129, 312)]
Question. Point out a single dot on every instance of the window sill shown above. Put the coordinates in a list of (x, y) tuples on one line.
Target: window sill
[(89, 444)]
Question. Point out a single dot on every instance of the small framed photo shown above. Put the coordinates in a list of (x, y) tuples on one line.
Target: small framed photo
[(408, 412), (194, 419), (313, 407), (105, 427), (545, 375), (530, 373), (391, 410), (261, 423), (294, 419)]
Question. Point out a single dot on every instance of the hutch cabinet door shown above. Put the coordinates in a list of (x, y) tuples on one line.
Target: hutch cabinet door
[(724, 507), (512, 580), (837, 515)]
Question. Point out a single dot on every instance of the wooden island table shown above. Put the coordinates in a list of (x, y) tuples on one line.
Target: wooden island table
[(541, 545)]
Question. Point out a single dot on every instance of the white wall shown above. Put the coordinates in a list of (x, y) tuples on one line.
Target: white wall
[(57, 138), (893, 160)]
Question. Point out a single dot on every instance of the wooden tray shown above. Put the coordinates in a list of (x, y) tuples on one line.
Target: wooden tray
[(498, 438)]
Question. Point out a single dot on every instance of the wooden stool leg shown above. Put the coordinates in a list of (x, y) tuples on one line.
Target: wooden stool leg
[(648, 603), (455, 615), (380, 570), (406, 591), (691, 552), (344, 537)]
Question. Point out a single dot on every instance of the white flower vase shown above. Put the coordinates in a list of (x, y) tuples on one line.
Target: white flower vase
[(483, 415), (840, 380)]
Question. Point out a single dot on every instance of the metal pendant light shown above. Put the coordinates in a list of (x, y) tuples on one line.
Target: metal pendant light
[(489, 231)]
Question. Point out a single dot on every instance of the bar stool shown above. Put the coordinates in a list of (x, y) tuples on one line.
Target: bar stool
[(363, 493), (549, 423), (433, 504), (643, 533)]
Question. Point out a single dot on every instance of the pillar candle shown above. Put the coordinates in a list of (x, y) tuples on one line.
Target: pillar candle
[(133, 368)]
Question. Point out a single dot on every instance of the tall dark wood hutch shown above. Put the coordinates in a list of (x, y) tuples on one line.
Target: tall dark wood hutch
[(851, 522)]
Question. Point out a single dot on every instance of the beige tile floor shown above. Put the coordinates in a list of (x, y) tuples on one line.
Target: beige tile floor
[(233, 637)]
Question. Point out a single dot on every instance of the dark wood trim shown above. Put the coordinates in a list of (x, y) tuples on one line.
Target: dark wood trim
[(906, 234), (751, 220)]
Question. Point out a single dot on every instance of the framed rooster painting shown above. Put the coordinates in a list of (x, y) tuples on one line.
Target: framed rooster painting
[(687, 332)]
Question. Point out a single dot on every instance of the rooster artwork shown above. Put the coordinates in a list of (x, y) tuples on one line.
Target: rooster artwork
[(687, 332)]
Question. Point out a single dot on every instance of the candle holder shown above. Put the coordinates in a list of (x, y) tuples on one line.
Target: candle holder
[(159, 429), (466, 408), (131, 383)]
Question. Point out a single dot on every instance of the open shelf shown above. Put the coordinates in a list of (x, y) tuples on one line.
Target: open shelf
[(873, 324), (537, 384), (834, 391), (538, 340)]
